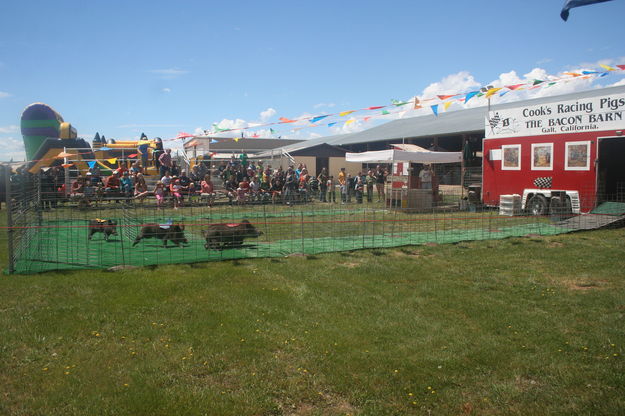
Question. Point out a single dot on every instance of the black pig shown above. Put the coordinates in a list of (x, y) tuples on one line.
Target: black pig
[(107, 227), (220, 236), (173, 233)]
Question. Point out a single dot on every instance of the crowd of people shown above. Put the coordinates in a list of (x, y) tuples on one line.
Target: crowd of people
[(252, 182), (243, 181)]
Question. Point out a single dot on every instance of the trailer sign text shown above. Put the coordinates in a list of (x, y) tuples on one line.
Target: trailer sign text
[(593, 114)]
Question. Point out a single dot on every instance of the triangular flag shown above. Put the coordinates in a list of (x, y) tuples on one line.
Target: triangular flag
[(350, 121), (609, 68), (501, 94), (447, 104), (492, 91), (218, 129), (112, 160), (67, 165), (470, 95), (384, 112), (417, 104), (272, 131), (375, 108), (286, 120), (132, 155), (621, 67), (183, 135), (366, 118), (316, 119), (444, 97), (589, 72), (537, 81), (344, 113), (514, 87), (331, 124), (435, 109), (603, 74), (573, 74), (64, 154), (398, 103)]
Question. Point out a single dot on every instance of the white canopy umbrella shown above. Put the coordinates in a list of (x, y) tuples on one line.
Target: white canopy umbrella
[(393, 155)]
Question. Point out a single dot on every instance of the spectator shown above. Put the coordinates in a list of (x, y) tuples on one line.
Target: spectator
[(185, 183), (159, 193), (141, 188), (380, 180), (165, 162), (207, 190), (370, 181), (112, 184), (166, 179), (323, 185), (126, 184), (358, 188), (343, 185), (331, 189), (175, 190), (425, 177)]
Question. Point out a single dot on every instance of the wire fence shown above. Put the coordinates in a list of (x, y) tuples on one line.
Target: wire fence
[(50, 230)]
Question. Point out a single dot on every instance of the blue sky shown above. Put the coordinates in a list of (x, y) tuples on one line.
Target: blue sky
[(126, 67)]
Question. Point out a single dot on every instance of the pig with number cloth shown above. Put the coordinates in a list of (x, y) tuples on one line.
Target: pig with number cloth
[(106, 227), (164, 232), (220, 236)]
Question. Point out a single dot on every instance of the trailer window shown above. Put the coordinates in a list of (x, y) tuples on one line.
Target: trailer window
[(542, 156), (511, 157), (577, 156)]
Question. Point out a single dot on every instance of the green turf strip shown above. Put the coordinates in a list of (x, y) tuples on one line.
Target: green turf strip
[(63, 245)]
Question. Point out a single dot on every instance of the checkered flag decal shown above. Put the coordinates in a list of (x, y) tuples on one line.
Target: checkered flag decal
[(544, 182), (493, 121)]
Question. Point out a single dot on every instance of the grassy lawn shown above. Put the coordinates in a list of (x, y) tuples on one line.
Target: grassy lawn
[(508, 327)]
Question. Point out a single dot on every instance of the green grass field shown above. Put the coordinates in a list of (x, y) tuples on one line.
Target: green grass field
[(517, 326)]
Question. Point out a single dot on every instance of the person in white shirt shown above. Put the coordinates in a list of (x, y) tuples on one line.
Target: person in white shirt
[(425, 176)]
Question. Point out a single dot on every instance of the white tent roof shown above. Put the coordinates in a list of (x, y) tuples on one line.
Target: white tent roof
[(393, 155)]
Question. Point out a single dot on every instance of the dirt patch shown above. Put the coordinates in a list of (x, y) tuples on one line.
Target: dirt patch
[(525, 383), (555, 244), (349, 265), (585, 285)]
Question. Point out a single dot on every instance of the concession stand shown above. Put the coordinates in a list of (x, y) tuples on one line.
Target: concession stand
[(404, 189)]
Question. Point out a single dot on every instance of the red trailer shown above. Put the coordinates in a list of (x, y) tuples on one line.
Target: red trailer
[(560, 157)]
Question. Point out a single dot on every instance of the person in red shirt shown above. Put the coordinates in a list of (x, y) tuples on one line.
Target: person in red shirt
[(112, 183)]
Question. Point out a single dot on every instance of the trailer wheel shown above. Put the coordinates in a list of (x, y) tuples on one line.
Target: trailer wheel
[(537, 205), (556, 207), (560, 206)]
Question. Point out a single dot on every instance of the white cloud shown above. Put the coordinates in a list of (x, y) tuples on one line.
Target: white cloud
[(169, 73), (267, 114), (138, 126), (12, 148), (166, 90), (320, 105), (4, 94), (9, 129)]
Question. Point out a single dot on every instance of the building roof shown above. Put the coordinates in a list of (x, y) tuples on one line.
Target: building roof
[(238, 144), (465, 121)]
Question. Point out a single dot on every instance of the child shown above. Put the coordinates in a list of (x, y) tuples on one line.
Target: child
[(208, 190), (159, 193), (331, 189), (176, 192)]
